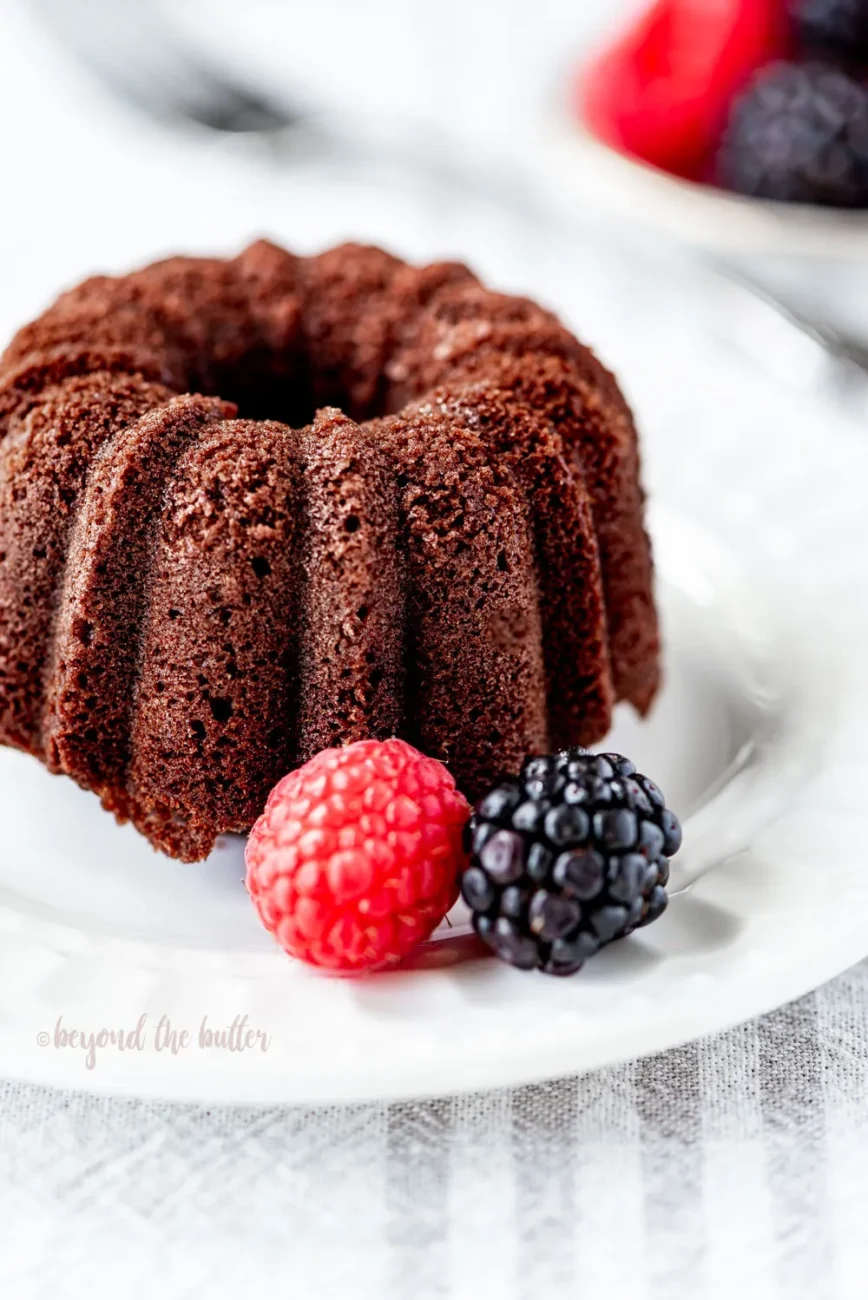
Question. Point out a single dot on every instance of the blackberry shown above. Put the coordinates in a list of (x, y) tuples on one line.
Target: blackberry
[(567, 857), (798, 134), (838, 27)]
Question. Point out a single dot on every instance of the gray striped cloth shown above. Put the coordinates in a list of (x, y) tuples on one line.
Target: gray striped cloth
[(735, 1166)]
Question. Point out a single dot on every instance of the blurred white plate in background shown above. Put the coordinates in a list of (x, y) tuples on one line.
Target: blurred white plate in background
[(583, 170)]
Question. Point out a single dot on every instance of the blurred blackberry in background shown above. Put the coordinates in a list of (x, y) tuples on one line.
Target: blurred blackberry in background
[(798, 134), (837, 27), (568, 856)]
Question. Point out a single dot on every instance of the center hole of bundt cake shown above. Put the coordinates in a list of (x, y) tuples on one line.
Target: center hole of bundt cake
[(267, 399), (294, 398)]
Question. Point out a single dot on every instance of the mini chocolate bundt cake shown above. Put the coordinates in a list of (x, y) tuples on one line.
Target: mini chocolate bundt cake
[(255, 507)]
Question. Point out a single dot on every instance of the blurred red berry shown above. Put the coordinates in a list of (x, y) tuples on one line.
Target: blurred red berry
[(662, 91)]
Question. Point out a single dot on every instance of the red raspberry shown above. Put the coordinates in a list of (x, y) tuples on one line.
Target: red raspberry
[(357, 856), (662, 92)]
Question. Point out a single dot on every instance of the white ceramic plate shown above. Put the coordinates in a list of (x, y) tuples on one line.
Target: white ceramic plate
[(585, 171), (760, 740)]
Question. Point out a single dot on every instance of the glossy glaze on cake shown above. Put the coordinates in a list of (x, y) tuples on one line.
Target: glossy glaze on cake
[(255, 507)]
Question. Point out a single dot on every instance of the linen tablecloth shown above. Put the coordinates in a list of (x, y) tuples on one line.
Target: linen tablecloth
[(735, 1166)]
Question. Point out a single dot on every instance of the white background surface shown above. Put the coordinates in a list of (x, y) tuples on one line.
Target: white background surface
[(735, 1164), (477, 71)]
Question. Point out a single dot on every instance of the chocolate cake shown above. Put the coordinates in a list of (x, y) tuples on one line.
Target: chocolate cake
[(255, 507)]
